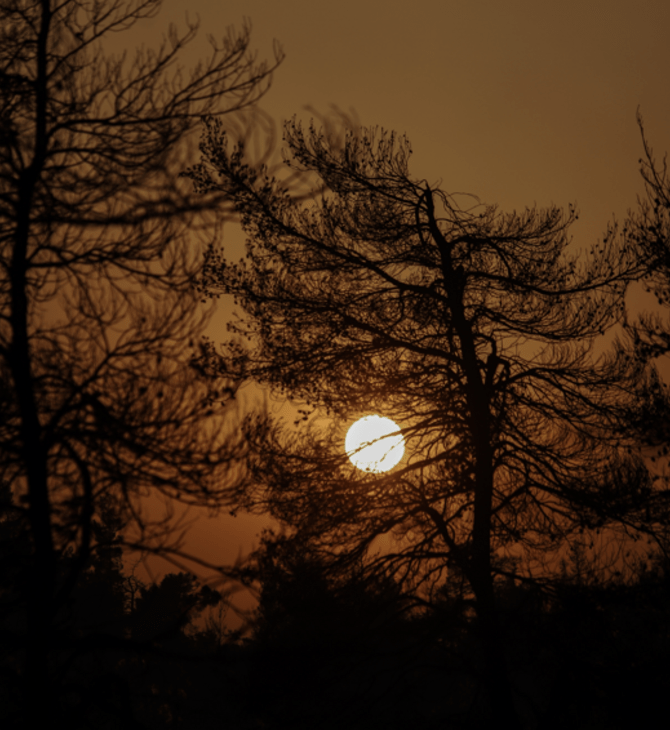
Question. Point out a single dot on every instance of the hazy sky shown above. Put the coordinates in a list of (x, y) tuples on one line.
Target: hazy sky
[(517, 102), (520, 102)]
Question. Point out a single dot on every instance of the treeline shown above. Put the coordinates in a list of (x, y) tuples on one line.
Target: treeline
[(323, 651)]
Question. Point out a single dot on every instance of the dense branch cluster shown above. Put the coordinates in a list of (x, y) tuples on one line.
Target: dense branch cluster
[(475, 330)]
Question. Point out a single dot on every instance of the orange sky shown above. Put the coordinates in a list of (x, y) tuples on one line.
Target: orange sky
[(516, 101), (520, 102)]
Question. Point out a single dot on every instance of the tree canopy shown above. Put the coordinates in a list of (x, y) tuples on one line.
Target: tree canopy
[(498, 347)]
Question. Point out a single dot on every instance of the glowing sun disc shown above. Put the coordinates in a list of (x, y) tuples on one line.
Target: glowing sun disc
[(369, 446)]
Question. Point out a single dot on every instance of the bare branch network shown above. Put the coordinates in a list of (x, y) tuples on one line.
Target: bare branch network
[(101, 406)]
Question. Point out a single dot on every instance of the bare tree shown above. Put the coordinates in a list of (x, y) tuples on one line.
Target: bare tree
[(477, 331), (99, 244)]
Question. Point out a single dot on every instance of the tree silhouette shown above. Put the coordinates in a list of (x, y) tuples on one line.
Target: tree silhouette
[(169, 607), (479, 332), (99, 246), (649, 225), (331, 650)]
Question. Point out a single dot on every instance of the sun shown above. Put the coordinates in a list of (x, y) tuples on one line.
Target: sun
[(370, 447)]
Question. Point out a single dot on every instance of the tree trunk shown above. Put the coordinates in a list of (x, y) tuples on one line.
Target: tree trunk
[(497, 685), (478, 393), (38, 583)]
